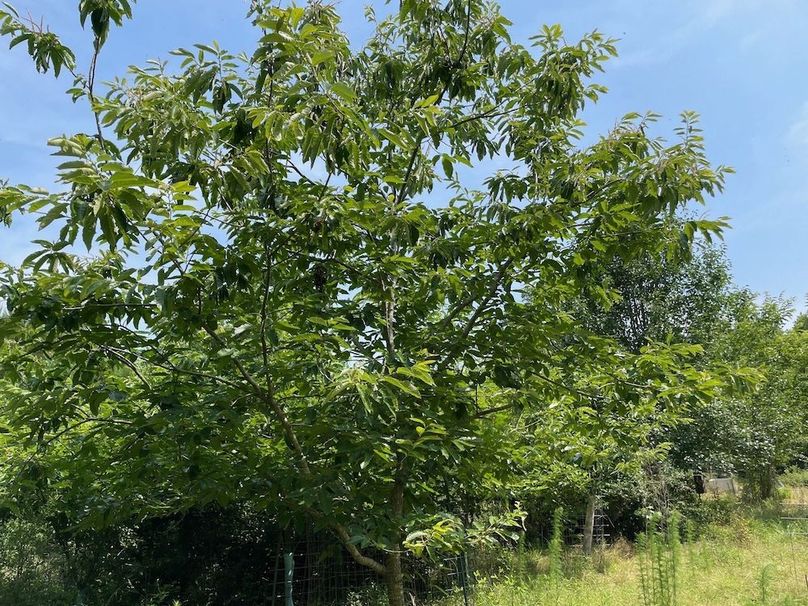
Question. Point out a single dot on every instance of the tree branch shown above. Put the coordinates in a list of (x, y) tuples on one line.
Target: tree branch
[(459, 307), (129, 364), (91, 90), (469, 326)]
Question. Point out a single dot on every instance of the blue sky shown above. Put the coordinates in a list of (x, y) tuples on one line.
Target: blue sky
[(742, 64)]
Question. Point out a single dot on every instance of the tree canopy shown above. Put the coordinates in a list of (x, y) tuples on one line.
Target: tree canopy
[(304, 283)]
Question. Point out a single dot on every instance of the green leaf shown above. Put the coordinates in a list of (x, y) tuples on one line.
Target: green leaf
[(343, 91), (404, 386), (448, 166)]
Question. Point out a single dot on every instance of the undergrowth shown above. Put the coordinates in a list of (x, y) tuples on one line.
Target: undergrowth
[(743, 563)]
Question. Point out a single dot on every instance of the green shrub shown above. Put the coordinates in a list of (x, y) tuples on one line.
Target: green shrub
[(33, 570), (709, 512), (372, 595)]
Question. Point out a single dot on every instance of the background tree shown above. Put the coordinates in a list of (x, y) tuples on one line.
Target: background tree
[(663, 294), (761, 433), (660, 297), (691, 299)]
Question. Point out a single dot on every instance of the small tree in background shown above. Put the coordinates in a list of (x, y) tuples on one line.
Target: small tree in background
[(762, 433), (595, 445)]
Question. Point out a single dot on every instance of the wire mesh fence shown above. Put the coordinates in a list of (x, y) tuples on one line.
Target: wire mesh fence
[(794, 520), (310, 568)]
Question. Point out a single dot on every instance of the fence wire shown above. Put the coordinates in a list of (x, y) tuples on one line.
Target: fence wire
[(311, 568)]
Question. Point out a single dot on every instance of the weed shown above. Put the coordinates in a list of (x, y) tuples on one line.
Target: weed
[(658, 559), (556, 546)]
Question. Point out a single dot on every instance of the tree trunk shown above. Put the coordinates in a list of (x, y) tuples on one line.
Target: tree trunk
[(393, 575), (767, 482), (589, 524), (395, 580)]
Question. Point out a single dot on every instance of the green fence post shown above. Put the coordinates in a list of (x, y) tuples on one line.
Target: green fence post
[(289, 570), (464, 568)]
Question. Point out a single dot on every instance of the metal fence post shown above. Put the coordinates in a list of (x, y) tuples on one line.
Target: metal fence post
[(289, 570), (463, 564)]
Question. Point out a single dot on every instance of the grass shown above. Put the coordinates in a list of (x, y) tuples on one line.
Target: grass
[(795, 485), (796, 494), (744, 564)]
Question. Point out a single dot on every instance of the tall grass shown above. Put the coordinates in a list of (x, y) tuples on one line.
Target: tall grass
[(738, 565)]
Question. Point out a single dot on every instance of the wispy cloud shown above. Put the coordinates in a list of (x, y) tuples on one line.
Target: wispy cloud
[(798, 131), (689, 20)]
